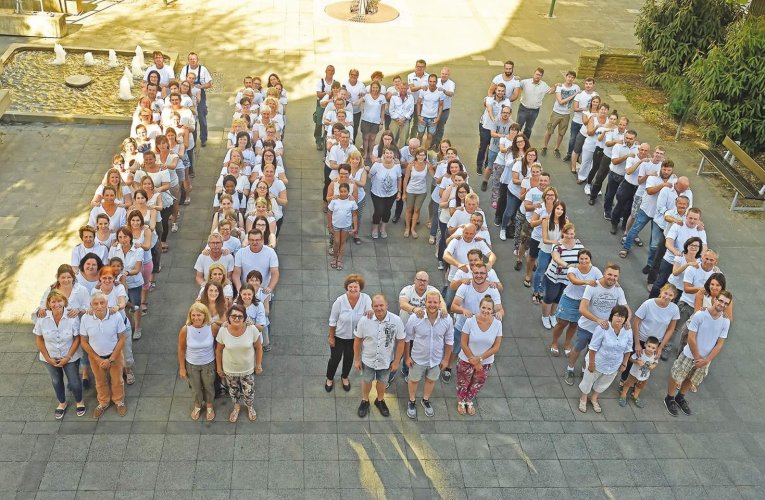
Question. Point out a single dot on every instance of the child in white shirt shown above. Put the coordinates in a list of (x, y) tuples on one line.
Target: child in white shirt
[(344, 219), (642, 366)]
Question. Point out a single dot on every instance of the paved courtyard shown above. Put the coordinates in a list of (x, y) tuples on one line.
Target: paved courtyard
[(528, 440)]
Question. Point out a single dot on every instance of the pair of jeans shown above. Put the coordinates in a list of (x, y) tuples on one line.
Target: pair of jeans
[(491, 157), (657, 234), (202, 117), (442, 240), (526, 119), (513, 204), (72, 372), (356, 122), (575, 128), (614, 181), (484, 137), (343, 350), (655, 270), (434, 218), (625, 194), (537, 281), (665, 269)]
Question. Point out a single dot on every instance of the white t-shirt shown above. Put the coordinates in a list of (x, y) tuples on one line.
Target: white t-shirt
[(618, 151), (345, 318), (447, 86), (633, 177), (409, 293), (642, 373), (372, 107), (583, 99), (471, 301), (129, 260), (576, 292), (679, 235), (648, 203), (102, 334), (261, 261), (459, 248), (430, 102), (655, 319), (384, 179), (532, 94), (355, 91), (58, 338), (708, 330), (204, 262), (696, 277), (238, 352), (342, 212), (678, 280), (483, 234), (602, 300), (565, 93), (533, 195), (643, 170), (510, 85), (496, 108), (480, 340)]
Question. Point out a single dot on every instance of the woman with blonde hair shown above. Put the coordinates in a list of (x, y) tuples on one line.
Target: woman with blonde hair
[(123, 192), (196, 358), (217, 274)]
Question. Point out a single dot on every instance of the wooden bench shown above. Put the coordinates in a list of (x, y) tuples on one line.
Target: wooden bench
[(724, 165)]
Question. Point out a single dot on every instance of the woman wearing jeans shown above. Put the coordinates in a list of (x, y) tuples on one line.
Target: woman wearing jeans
[(386, 189), (551, 232), (196, 358), (346, 313), (564, 255), (57, 338)]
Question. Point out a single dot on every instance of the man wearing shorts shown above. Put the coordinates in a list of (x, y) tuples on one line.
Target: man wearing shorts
[(595, 308), (430, 105), (431, 338), (373, 346), (706, 336), (561, 112)]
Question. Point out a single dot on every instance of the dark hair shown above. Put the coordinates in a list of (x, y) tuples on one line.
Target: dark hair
[(457, 201), (689, 242), (220, 302), (263, 157), (524, 162), (91, 255), (266, 233), (620, 311), (719, 277), (255, 274), (652, 340), (514, 146), (236, 307), (243, 134), (245, 286), (354, 278), (229, 178), (392, 147), (584, 251), (153, 72), (551, 219)]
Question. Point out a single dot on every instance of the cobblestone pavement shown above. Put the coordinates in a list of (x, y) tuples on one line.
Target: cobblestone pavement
[(528, 440)]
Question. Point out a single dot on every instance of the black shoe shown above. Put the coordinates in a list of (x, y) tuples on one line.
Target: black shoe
[(517, 265), (497, 222), (446, 375), (591, 201), (567, 158), (204, 144), (382, 407), (363, 409), (614, 228), (683, 404), (671, 405), (86, 383), (484, 185), (646, 270), (318, 146), (607, 216), (666, 352), (328, 387), (395, 218), (347, 387)]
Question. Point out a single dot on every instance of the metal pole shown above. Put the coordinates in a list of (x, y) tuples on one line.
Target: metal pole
[(550, 14)]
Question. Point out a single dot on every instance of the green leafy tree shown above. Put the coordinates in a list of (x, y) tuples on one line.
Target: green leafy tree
[(727, 86)]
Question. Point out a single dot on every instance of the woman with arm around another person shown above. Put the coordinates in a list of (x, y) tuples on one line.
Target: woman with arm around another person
[(132, 259), (346, 312), (196, 359), (415, 190), (481, 338), (564, 255), (238, 358), (58, 341)]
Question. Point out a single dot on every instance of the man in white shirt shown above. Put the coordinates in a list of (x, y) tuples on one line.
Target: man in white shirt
[(610, 137), (448, 87), (202, 81), (508, 79), (456, 251), (375, 341), (417, 81), (355, 89), (665, 201), (620, 153), (675, 241), (648, 168), (580, 103), (430, 336), (165, 72), (561, 112), (625, 193), (493, 108), (706, 336), (430, 105), (401, 109), (533, 91), (214, 256), (258, 257), (337, 156), (323, 88)]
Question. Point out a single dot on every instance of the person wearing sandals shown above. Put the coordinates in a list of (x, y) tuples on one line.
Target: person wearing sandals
[(344, 222), (609, 351), (481, 338), (564, 255), (346, 312), (132, 259), (196, 359), (238, 358), (641, 367), (103, 337), (57, 339), (359, 177)]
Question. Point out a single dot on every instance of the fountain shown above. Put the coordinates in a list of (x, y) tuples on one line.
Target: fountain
[(60, 55), (113, 63), (139, 56), (89, 59), (135, 68), (127, 74), (125, 84)]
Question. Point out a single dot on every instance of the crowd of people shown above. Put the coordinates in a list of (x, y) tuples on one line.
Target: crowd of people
[(90, 317)]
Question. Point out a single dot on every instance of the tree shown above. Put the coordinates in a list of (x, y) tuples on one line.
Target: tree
[(727, 86)]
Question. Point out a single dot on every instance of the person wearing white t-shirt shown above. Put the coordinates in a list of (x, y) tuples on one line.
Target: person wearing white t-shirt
[(417, 81), (648, 168), (620, 153), (448, 87), (533, 91), (202, 81), (355, 89), (475, 256), (666, 203), (323, 88), (493, 108), (214, 256), (456, 252), (625, 193), (508, 79), (256, 256), (580, 103), (430, 105), (561, 112), (401, 107), (165, 72), (675, 240), (707, 332)]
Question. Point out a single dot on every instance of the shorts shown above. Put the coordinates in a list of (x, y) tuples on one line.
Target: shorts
[(426, 123), (525, 231), (579, 143), (345, 229), (415, 200), (683, 368), (533, 248), (583, 338), (180, 172), (595, 381), (457, 347), (416, 372), (369, 375), (568, 309), (176, 192), (369, 127), (134, 297), (560, 121), (636, 202)]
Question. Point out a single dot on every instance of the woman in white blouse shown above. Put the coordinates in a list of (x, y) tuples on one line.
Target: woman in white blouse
[(57, 338), (346, 312)]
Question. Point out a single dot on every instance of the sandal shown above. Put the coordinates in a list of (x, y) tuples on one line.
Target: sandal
[(357, 240), (195, 413), (81, 410), (596, 406), (638, 241), (535, 298), (165, 248), (470, 408), (129, 377), (210, 415), (518, 265), (566, 350), (414, 234), (252, 414), (623, 253), (694, 388), (527, 283), (333, 264), (59, 412), (583, 406), (339, 265), (555, 352), (461, 408), (234, 415)]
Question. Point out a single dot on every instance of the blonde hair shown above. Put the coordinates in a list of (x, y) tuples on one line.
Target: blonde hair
[(222, 269), (200, 308), (55, 294)]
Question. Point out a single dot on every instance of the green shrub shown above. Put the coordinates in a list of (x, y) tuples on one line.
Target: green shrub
[(728, 86)]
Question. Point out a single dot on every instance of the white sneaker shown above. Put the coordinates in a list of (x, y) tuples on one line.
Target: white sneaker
[(432, 240), (553, 321), (441, 265), (174, 228), (546, 322), (587, 189), (502, 234), (137, 334)]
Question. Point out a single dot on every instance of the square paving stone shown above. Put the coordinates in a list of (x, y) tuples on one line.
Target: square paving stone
[(62, 476), (513, 473), (537, 446), (569, 446), (107, 447), (679, 472), (217, 448), (286, 447), (249, 475), (180, 447), (213, 475), (321, 473), (285, 474), (138, 475), (251, 447), (71, 447), (478, 473), (176, 475), (646, 472), (613, 472), (473, 446), (100, 476), (580, 472)]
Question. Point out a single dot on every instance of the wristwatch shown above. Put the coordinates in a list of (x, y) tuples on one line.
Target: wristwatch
[(480, 359)]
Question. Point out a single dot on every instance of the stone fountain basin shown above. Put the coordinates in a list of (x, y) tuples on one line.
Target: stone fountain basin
[(72, 51)]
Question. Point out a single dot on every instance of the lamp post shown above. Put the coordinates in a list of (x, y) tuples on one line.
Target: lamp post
[(550, 14)]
